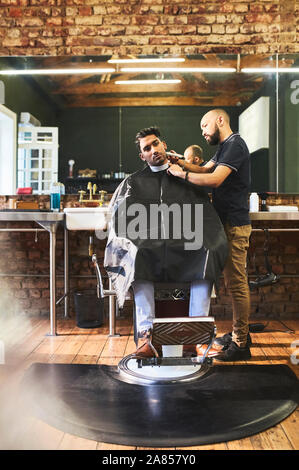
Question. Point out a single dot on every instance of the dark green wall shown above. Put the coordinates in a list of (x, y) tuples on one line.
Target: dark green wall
[(23, 95), (102, 138), (90, 137), (289, 135)]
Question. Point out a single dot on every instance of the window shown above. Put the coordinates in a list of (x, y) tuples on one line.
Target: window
[(37, 158)]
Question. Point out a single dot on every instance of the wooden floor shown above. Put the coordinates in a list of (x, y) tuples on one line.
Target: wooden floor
[(27, 342)]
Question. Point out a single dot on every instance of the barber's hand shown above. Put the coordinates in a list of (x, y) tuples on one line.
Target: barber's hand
[(175, 170), (172, 158)]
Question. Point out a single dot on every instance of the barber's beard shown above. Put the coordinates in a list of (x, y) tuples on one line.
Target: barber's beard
[(215, 138)]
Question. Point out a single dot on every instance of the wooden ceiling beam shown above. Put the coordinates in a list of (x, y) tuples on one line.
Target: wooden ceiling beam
[(195, 89), (186, 86), (155, 101)]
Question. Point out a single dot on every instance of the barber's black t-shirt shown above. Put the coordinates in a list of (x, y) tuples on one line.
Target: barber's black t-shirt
[(230, 199)]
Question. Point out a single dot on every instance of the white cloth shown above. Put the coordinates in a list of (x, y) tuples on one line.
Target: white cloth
[(156, 168)]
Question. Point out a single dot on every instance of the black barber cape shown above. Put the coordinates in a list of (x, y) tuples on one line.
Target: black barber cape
[(142, 247)]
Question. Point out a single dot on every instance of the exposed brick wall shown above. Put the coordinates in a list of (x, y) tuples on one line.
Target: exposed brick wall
[(24, 263), (24, 269), (280, 299), (93, 27)]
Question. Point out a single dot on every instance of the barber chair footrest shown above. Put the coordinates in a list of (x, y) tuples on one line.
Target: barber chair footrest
[(173, 361)]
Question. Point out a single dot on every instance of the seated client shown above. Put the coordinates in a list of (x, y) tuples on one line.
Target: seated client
[(163, 229)]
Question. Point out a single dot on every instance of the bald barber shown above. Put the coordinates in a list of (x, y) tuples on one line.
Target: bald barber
[(228, 174)]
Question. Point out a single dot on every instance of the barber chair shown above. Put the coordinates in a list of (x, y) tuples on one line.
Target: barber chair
[(172, 329)]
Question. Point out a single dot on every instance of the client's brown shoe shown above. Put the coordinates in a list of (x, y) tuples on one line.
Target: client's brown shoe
[(213, 352), (146, 349)]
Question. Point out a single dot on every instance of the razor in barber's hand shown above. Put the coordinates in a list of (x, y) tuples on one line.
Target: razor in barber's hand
[(174, 157)]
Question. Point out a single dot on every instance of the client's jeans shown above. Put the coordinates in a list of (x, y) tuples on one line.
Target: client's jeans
[(235, 278), (199, 305)]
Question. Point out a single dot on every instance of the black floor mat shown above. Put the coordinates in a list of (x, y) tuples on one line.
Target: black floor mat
[(230, 402)]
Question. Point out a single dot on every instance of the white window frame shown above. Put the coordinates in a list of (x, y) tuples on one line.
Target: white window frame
[(25, 147), (8, 151)]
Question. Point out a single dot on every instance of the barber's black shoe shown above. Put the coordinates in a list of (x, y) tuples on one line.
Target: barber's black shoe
[(226, 339), (234, 353)]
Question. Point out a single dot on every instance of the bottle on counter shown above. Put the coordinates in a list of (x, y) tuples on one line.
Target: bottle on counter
[(61, 188), (254, 203), (56, 189)]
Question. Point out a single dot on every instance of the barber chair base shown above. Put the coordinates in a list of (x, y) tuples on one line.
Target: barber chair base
[(167, 370)]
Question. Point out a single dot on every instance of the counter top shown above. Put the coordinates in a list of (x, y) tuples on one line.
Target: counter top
[(14, 216), (50, 216), (292, 215)]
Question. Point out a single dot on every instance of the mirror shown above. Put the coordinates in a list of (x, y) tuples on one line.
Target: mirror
[(98, 118), (288, 125)]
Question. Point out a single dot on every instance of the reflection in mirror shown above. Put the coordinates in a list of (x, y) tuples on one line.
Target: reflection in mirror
[(97, 113)]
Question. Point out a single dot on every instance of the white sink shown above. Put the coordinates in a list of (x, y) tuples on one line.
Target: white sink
[(87, 218)]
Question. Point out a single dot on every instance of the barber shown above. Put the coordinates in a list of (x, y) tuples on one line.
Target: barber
[(228, 174)]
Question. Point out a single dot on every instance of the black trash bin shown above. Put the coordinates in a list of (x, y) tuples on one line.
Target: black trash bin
[(89, 309)]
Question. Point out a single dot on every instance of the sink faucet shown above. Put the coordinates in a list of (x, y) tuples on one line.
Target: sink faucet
[(92, 191), (102, 199), (81, 195)]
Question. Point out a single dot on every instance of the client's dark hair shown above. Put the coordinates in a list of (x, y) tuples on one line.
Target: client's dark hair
[(144, 132)]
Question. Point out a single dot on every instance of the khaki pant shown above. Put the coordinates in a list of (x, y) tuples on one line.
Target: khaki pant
[(235, 278)]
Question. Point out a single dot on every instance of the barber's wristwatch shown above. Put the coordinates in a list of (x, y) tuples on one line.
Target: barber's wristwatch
[(186, 175)]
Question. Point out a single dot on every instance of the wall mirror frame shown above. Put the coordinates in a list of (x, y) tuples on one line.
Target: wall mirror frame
[(99, 104)]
